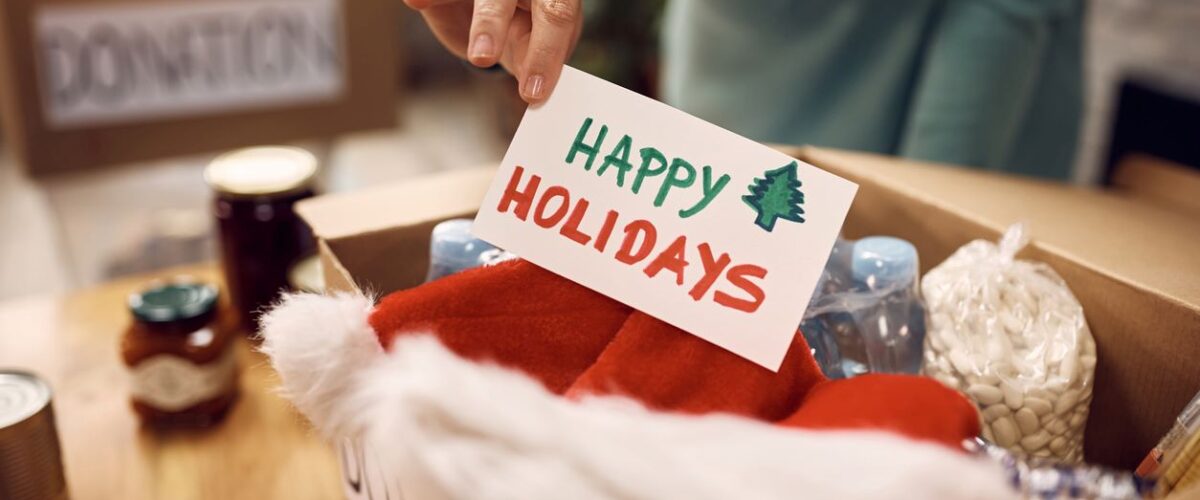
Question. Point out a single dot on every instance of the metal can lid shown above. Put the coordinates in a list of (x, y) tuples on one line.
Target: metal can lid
[(22, 395), (261, 171), (175, 301)]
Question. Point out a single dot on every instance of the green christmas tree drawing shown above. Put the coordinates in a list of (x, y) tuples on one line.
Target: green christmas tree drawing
[(776, 196)]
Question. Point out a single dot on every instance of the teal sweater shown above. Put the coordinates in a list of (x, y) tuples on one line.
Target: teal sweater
[(994, 84)]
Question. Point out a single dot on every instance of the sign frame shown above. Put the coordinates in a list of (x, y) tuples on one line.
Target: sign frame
[(369, 41)]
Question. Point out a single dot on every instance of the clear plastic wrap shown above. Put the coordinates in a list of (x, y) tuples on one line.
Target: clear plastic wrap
[(1010, 335), (866, 314), (1046, 479)]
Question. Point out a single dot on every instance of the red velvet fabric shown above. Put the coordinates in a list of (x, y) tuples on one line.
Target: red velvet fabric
[(669, 369), (515, 314), (917, 407), (579, 342)]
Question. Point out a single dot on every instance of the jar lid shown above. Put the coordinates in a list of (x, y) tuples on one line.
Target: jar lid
[(262, 170), (176, 301)]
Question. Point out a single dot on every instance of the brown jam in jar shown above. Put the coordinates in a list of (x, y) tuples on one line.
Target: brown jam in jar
[(179, 350), (260, 234)]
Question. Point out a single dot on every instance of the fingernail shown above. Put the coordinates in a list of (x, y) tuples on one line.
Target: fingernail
[(483, 46), (533, 86)]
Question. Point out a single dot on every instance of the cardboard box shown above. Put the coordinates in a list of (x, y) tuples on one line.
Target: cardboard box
[(1132, 263), (377, 240), (1159, 181), (96, 82)]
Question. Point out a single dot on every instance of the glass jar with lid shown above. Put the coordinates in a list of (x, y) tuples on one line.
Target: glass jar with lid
[(180, 352), (261, 237)]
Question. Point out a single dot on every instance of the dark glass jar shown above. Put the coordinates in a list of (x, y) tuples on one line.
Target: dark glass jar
[(261, 236), (180, 353)]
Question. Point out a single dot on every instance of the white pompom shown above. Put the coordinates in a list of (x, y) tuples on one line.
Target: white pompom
[(318, 344)]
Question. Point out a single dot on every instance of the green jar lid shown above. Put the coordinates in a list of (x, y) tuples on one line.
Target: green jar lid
[(175, 301)]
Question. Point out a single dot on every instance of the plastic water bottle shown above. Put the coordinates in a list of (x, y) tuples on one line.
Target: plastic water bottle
[(821, 331), (823, 345), (866, 314), (893, 328), (452, 248)]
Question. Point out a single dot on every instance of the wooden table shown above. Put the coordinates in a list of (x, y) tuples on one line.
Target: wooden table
[(262, 450)]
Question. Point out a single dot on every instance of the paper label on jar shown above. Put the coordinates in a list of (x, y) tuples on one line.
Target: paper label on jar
[(711, 232), (104, 63), (171, 383)]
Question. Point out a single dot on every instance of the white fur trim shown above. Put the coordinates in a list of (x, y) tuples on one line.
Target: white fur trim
[(473, 431), (318, 344), (449, 428)]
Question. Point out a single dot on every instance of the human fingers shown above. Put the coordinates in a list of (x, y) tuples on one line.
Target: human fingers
[(489, 28), (555, 26), (449, 20), (516, 45), (425, 4)]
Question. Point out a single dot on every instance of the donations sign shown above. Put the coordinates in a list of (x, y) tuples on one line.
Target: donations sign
[(106, 63), (699, 227), (89, 83)]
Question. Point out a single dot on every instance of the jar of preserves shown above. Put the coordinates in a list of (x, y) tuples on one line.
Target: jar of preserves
[(179, 350), (261, 237)]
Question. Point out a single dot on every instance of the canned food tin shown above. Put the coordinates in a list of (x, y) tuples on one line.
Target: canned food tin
[(30, 460)]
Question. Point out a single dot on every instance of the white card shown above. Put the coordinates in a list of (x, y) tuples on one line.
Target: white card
[(701, 228)]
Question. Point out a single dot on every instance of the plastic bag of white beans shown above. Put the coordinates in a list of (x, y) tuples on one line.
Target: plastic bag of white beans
[(1010, 335)]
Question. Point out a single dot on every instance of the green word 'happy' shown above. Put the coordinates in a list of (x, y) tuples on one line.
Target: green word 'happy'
[(679, 173)]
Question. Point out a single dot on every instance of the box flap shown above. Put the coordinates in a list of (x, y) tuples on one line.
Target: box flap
[(1146, 245), (1170, 184), (335, 275), (377, 240), (405, 203)]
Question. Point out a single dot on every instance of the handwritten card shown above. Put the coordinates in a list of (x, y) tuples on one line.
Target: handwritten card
[(699, 227)]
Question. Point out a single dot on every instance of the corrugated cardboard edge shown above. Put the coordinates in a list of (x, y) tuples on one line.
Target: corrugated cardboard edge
[(339, 215), (337, 278), (415, 205), (1145, 380)]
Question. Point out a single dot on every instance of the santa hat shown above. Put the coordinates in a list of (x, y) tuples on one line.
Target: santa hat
[(512, 382)]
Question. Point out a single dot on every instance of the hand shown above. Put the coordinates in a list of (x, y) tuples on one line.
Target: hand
[(532, 42)]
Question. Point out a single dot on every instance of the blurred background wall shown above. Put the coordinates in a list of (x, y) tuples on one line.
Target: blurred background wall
[(76, 229), (1149, 41)]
